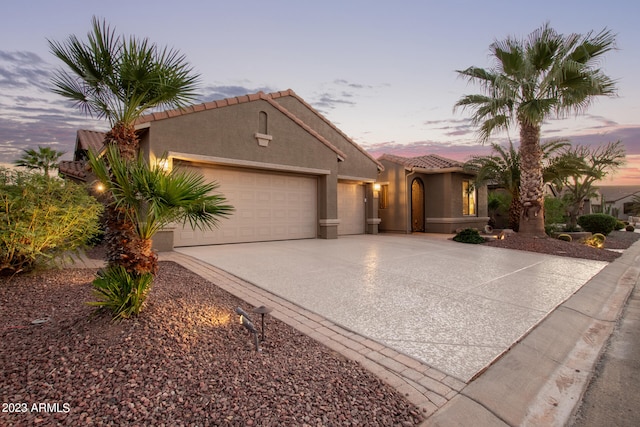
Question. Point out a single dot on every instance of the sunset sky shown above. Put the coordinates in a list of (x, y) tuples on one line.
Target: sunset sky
[(383, 72)]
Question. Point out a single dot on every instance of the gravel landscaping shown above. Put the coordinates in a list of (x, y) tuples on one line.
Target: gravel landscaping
[(616, 240), (186, 360)]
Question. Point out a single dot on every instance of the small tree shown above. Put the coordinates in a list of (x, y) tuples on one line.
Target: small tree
[(591, 165), (44, 159), (150, 198), (41, 218)]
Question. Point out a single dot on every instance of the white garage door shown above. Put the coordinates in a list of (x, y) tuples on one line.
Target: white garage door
[(351, 208), (268, 206)]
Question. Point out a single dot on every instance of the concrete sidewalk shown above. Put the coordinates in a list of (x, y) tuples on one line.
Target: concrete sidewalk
[(538, 381)]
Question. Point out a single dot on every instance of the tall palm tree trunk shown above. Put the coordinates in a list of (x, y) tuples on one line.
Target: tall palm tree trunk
[(515, 211), (531, 181), (123, 245)]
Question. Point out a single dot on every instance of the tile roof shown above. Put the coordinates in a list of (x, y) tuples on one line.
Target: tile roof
[(86, 140), (73, 168), (430, 161), (90, 140)]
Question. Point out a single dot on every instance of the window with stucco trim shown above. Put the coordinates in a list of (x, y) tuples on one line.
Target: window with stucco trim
[(468, 198)]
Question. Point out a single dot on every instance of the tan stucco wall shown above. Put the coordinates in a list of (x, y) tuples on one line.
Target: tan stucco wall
[(395, 217), (443, 201), (230, 133), (356, 163)]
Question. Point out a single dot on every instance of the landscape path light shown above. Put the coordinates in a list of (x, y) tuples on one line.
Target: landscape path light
[(262, 310), (246, 321)]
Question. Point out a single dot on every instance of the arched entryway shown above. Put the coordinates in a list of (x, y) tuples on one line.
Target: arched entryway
[(417, 205)]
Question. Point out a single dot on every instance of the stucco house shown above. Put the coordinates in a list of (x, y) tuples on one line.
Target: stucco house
[(616, 200), (287, 170), (429, 194)]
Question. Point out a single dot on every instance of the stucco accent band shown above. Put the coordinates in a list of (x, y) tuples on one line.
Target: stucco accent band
[(459, 219), (329, 222), (246, 163)]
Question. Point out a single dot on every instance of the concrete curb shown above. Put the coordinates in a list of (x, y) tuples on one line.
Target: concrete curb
[(542, 378)]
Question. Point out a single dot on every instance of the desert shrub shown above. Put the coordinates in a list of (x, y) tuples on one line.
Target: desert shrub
[(565, 237), (597, 223), (619, 225), (630, 228), (469, 235), (41, 218), (595, 241), (555, 210), (121, 292)]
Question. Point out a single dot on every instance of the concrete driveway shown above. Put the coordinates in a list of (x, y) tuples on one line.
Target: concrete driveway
[(453, 306)]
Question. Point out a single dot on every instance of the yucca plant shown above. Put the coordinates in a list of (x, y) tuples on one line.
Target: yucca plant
[(121, 292)]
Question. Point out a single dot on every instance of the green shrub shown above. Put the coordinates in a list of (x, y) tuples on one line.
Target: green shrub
[(121, 292), (42, 218), (598, 223), (555, 210), (565, 237), (469, 235), (619, 225), (630, 228)]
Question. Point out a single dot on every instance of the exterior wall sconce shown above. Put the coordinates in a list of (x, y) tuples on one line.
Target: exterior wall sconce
[(376, 190), (164, 164), (245, 320)]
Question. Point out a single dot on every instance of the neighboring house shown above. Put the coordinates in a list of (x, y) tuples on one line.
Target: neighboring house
[(616, 200), (86, 140), (287, 170), (429, 194)]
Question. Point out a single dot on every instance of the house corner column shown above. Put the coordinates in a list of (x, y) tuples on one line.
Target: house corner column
[(328, 207), (371, 209)]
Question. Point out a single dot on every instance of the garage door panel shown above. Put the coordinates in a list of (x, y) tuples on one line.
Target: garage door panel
[(351, 211), (268, 206)]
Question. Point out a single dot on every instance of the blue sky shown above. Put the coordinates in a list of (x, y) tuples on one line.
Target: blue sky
[(383, 72)]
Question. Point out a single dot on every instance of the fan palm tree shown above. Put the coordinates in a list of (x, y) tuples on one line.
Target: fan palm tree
[(151, 198), (44, 158), (533, 79), (502, 167), (120, 79)]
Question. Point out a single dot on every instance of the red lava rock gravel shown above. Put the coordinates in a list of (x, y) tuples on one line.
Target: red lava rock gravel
[(574, 249), (185, 361)]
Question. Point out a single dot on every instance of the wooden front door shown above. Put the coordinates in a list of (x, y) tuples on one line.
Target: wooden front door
[(417, 205)]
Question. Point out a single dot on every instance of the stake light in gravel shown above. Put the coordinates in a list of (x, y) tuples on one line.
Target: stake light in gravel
[(246, 321)]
